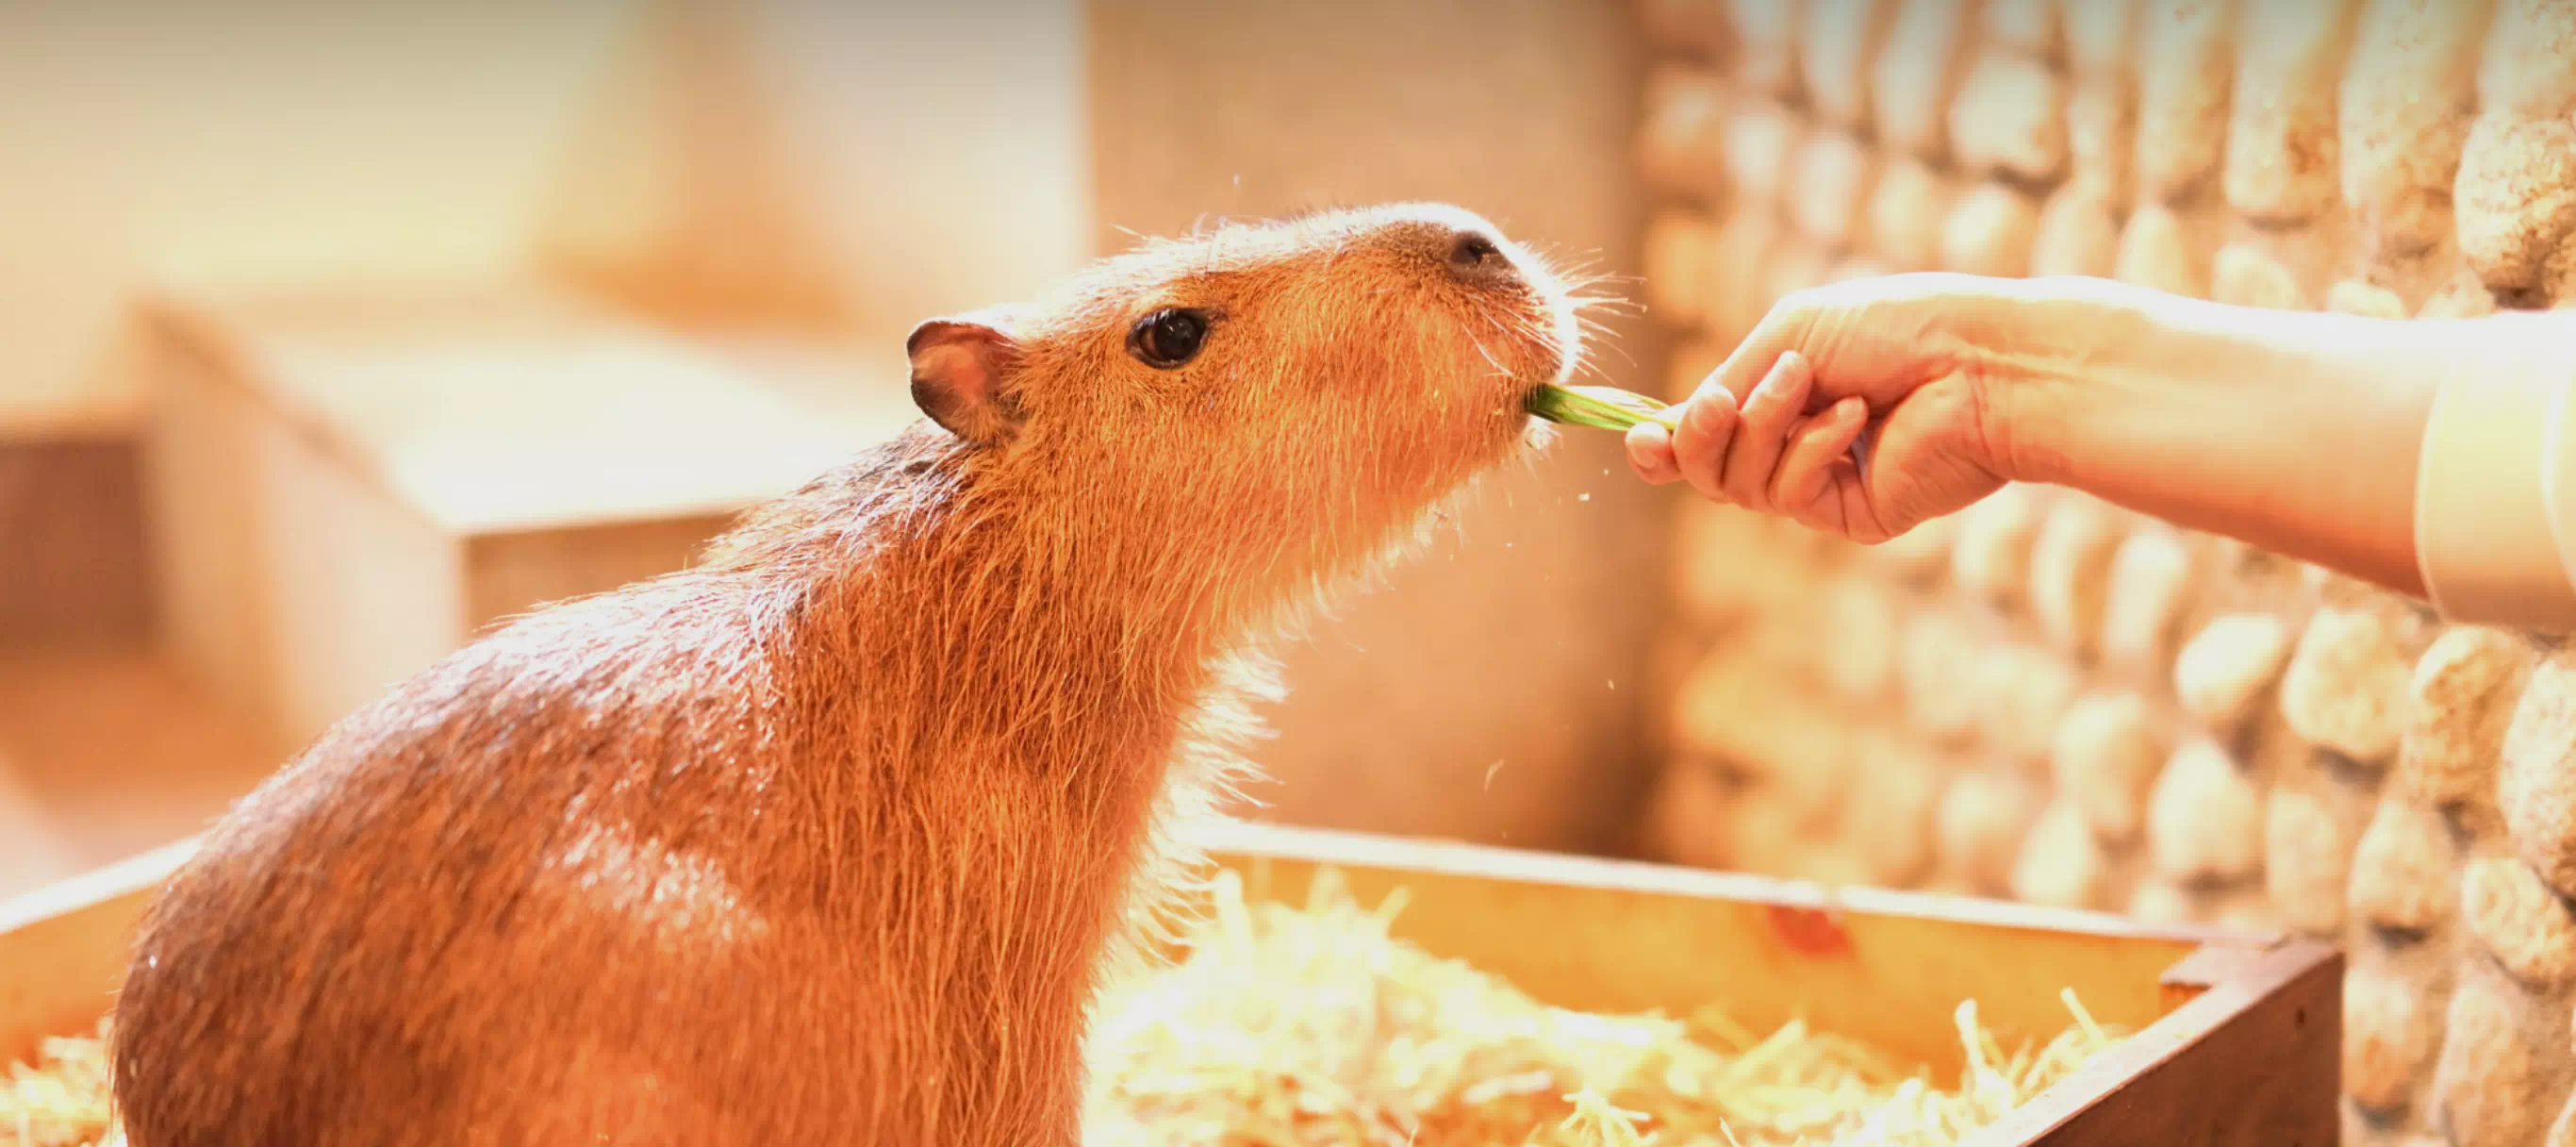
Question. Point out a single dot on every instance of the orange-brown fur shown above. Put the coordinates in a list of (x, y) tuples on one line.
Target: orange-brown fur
[(829, 838)]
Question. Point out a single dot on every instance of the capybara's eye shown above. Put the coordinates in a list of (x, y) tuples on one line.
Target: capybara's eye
[(1167, 338)]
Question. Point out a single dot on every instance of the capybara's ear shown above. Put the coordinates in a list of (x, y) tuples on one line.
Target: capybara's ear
[(962, 374)]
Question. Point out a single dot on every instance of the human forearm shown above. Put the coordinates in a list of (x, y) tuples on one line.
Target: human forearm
[(2437, 458), (2307, 434)]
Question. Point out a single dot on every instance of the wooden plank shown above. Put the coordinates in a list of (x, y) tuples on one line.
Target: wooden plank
[(63, 949), (2253, 1059)]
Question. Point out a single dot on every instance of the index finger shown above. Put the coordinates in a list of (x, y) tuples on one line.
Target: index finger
[(1782, 330), (1870, 338)]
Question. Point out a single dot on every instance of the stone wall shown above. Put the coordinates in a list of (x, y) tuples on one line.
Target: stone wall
[(2055, 700)]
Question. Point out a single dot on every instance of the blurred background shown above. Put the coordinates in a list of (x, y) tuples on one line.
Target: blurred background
[(330, 332)]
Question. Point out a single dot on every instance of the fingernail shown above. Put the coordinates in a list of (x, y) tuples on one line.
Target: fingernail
[(1711, 414), (1785, 380)]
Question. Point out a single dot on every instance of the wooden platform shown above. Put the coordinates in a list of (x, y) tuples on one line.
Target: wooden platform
[(103, 755), (346, 485)]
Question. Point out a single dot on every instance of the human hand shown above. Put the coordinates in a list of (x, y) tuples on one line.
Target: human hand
[(1914, 369)]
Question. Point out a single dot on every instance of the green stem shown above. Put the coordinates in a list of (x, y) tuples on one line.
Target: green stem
[(1604, 407)]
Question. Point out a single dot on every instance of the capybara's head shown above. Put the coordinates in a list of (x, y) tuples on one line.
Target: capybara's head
[(1310, 385)]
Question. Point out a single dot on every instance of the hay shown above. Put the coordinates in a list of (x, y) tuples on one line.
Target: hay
[(62, 1100), (1313, 1027)]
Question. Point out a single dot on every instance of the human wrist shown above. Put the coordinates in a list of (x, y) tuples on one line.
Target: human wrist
[(2056, 371)]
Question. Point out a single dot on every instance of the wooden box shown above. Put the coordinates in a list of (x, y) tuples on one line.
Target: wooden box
[(346, 485), (2237, 1038), (72, 572)]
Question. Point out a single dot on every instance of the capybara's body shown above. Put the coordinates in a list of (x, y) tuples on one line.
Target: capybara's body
[(828, 839)]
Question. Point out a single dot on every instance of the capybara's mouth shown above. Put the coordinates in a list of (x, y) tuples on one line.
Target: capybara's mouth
[(1542, 342), (1561, 345)]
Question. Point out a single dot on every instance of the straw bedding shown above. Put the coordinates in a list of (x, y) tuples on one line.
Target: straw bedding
[(1292, 1026)]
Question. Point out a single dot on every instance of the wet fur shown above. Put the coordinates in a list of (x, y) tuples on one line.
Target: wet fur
[(830, 838)]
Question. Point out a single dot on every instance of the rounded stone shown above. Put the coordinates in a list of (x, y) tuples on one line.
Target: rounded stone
[(2347, 684), (2226, 668), (2151, 583), (2205, 818), (2245, 909), (2307, 857), (2354, 297), (2070, 571), (1919, 556), (2244, 275), (2488, 1082), (1908, 212), (1755, 144), (2060, 862), (2463, 694), (2157, 252), (1991, 558), (1887, 822), (2022, 694), (1937, 646), (1982, 819), (2401, 870), (2392, 1027), (2529, 67), (2157, 902), (2519, 920), (2516, 203), (2105, 757), (2009, 117), (1678, 136), (2537, 792), (1833, 177), (1859, 627), (2078, 233)]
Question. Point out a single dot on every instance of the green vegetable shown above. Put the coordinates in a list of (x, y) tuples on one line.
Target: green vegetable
[(1605, 407)]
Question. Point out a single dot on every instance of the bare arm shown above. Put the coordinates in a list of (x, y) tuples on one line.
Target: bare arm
[(2418, 455), (2295, 432)]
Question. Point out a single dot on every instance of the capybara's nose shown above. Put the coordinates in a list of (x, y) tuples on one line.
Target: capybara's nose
[(1474, 255), (1463, 244)]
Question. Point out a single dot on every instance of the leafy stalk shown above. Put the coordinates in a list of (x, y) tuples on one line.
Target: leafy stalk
[(1605, 407)]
